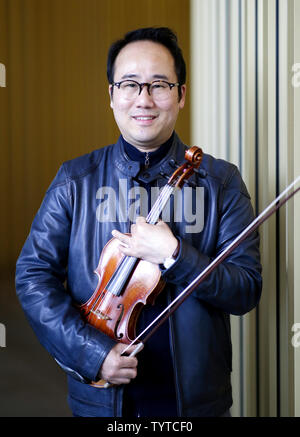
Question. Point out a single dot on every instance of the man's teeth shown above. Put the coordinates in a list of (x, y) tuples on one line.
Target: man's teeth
[(144, 118)]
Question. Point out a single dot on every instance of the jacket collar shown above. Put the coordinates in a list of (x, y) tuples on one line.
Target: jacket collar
[(133, 168)]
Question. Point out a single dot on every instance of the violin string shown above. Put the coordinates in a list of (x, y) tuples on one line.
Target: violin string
[(97, 302), (128, 262), (123, 272), (125, 267), (158, 207), (160, 203)]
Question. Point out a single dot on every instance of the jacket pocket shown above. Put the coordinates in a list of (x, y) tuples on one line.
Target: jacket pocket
[(87, 401)]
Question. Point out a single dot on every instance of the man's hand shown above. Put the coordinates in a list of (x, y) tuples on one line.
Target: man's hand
[(118, 369), (153, 243)]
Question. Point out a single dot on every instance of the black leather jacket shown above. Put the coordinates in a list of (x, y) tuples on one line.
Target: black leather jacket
[(56, 269)]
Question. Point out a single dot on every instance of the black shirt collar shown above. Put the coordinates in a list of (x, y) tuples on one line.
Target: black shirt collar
[(154, 157)]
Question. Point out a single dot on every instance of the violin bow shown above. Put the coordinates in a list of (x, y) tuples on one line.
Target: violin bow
[(165, 314)]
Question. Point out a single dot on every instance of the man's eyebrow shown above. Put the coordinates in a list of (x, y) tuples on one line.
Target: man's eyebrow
[(160, 76), (134, 76), (129, 76)]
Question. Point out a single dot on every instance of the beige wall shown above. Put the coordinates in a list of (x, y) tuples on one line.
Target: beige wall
[(55, 104)]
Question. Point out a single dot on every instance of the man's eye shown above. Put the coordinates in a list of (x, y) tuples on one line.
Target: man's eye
[(159, 85), (129, 85)]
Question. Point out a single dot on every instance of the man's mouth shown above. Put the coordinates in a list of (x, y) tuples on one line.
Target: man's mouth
[(144, 117)]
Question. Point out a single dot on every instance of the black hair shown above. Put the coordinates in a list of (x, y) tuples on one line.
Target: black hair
[(161, 35)]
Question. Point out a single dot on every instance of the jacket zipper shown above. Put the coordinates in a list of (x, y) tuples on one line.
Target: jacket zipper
[(147, 160)]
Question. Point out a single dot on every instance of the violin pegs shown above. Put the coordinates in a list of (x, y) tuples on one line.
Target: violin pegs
[(201, 172), (173, 163)]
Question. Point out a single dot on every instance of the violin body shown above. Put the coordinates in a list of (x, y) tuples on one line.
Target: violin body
[(116, 315)]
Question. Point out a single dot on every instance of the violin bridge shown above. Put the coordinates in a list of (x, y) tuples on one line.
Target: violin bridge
[(100, 315)]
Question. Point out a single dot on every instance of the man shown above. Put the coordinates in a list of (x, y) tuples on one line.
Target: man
[(184, 369)]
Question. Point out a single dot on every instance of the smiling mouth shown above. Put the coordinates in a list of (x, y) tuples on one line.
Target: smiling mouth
[(144, 117)]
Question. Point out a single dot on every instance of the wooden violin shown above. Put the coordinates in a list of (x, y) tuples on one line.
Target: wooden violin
[(125, 283)]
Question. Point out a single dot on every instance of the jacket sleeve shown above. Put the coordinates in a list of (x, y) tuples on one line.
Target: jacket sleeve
[(235, 285), (40, 275)]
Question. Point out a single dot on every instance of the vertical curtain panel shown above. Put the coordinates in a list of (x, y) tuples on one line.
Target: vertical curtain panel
[(245, 109)]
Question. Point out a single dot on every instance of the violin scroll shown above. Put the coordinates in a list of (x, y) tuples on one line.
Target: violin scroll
[(193, 157)]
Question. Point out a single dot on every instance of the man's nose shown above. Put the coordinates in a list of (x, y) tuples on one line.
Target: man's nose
[(144, 98)]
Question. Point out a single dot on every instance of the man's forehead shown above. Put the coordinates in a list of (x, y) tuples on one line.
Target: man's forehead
[(137, 57), (144, 45)]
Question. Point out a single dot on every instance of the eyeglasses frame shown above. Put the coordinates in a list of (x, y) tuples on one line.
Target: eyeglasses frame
[(147, 84)]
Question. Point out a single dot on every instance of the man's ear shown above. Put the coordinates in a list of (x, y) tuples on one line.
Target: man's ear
[(183, 95)]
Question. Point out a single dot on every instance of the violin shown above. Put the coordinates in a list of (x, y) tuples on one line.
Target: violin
[(125, 283)]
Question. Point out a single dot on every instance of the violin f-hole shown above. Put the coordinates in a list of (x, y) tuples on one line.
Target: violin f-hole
[(120, 306)]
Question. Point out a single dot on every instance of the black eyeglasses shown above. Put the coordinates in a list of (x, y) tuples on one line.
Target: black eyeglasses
[(158, 89)]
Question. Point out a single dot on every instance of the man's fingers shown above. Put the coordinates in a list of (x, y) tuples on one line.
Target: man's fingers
[(128, 362), (125, 369), (124, 239), (140, 219), (124, 376), (132, 348)]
